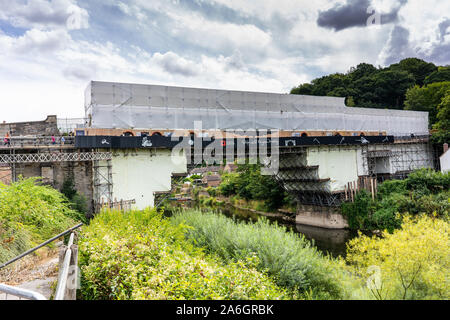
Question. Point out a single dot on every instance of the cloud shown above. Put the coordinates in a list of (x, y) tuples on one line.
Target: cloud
[(173, 63), (44, 14), (355, 13), (265, 45), (40, 42), (397, 47)]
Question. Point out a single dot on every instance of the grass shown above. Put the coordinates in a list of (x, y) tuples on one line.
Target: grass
[(288, 258)]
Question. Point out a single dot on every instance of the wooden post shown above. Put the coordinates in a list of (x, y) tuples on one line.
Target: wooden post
[(351, 190), (345, 190), (371, 189), (62, 253), (72, 284)]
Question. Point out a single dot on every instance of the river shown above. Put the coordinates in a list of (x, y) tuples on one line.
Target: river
[(329, 241)]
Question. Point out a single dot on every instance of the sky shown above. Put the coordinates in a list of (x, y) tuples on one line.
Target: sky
[(51, 49)]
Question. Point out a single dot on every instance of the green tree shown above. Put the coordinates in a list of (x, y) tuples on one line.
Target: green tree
[(413, 262), (390, 87), (417, 67), (427, 98), (443, 115), (440, 75)]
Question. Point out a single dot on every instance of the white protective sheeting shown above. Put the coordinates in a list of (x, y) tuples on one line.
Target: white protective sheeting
[(138, 106)]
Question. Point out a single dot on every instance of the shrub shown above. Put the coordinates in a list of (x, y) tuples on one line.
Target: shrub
[(140, 255), (391, 186), (428, 181), (414, 261), (291, 260), (358, 213), (248, 183), (30, 214), (424, 191)]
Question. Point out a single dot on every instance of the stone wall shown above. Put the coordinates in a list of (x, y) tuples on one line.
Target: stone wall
[(5, 174), (317, 216), (47, 127), (56, 173)]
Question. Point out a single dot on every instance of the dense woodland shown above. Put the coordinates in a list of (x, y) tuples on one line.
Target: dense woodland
[(411, 84)]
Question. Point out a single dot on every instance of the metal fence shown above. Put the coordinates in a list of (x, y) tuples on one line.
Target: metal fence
[(68, 272)]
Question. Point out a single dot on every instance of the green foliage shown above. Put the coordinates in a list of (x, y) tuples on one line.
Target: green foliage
[(391, 186), (418, 68), (192, 178), (68, 188), (30, 214), (211, 191), (370, 87), (424, 191), (249, 184), (411, 84), (413, 262), (289, 258), (427, 98), (428, 181), (140, 255), (78, 201), (443, 115), (440, 75)]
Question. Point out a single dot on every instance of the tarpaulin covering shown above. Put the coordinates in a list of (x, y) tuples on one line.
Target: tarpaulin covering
[(138, 106)]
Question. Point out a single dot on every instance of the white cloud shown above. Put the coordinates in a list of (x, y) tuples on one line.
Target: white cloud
[(41, 42), (266, 45), (44, 14)]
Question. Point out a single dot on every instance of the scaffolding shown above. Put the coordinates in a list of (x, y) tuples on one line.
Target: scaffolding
[(396, 160), (14, 158), (103, 186), (302, 181), (125, 105)]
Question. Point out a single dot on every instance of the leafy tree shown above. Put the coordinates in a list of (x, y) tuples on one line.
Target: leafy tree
[(443, 115), (413, 262), (440, 75), (424, 191), (249, 184), (78, 201), (361, 70), (417, 67), (427, 98), (68, 188), (390, 87)]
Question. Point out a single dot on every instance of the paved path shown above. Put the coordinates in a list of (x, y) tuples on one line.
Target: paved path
[(41, 279)]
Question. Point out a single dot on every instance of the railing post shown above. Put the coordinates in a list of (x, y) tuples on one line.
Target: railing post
[(71, 293)]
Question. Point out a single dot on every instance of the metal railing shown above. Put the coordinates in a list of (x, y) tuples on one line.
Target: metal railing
[(20, 142), (68, 260), (68, 266), (20, 293)]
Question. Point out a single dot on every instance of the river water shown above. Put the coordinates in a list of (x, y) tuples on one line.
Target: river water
[(332, 241), (329, 241)]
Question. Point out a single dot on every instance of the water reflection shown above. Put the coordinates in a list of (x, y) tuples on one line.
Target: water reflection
[(332, 241), (329, 241)]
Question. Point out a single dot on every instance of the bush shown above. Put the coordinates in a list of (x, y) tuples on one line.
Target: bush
[(414, 261), (291, 260), (30, 214), (78, 201), (249, 184), (424, 191), (140, 255), (428, 181), (358, 213), (391, 186)]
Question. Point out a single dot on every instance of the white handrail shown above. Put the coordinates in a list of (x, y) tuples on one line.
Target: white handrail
[(62, 280), (22, 293)]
